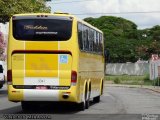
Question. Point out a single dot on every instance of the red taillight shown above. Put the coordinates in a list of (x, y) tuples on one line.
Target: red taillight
[(73, 77), (9, 76)]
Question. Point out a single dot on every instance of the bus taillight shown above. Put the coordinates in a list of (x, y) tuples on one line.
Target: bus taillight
[(9, 76), (73, 77)]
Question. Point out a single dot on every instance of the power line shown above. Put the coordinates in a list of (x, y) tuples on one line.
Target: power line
[(70, 2), (145, 12), (56, 0)]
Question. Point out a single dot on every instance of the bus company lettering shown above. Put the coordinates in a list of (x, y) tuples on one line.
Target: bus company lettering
[(37, 27)]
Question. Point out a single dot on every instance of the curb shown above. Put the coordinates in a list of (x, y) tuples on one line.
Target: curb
[(133, 86), (158, 91)]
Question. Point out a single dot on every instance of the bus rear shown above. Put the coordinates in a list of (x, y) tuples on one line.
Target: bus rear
[(41, 54)]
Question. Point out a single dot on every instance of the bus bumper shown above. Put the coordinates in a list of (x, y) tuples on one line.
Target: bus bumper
[(17, 95)]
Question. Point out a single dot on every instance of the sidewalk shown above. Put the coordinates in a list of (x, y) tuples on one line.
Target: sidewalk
[(153, 88)]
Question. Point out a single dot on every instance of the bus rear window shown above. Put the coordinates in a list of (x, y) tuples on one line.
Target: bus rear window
[(42, 29)]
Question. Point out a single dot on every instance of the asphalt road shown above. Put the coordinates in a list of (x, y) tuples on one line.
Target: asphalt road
[(117, 103)]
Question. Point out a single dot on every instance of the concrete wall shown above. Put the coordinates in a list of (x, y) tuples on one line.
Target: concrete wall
[(127, 68)]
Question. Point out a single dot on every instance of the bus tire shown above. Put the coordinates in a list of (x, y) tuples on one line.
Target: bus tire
[(1, 86), (87, 102), (88, 98), (96, 99), (83, 105), (102, 87)]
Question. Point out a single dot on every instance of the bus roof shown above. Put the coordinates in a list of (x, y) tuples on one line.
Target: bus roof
[(86, 23), (61, 14)]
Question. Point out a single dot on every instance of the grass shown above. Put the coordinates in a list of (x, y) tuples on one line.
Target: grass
[(129, 79)]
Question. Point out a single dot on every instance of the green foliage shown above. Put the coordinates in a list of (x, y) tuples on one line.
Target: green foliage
[(117, 80), (120, 35), (10, 7), (129, 79), (145, 51), (124, 42), (146, 78), (114, 26), (2, 46), (156, 82)]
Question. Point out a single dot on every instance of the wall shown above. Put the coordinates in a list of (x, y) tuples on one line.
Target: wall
[(127, 68)]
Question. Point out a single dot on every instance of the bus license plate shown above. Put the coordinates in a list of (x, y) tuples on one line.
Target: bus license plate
[(41, 87)]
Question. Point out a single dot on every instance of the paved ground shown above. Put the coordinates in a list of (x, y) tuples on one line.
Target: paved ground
[(117, 103), (153, 88)]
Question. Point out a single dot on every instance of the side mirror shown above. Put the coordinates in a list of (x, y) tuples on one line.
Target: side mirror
[(106, 55)]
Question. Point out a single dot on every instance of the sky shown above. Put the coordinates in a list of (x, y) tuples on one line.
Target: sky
[(144, 13)]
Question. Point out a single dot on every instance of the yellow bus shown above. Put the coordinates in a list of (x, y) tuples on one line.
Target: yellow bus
[(54, 57)]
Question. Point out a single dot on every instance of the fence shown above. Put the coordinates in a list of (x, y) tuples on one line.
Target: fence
[(127, 68)]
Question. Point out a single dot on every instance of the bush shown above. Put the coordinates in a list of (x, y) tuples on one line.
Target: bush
[(146, 78), (156, 82), (117, 80)]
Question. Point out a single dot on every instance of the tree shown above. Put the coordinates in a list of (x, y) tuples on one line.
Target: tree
[(120, 37), (142, 52), (145, 51), (10, 7), (124, 41), (2, 46)]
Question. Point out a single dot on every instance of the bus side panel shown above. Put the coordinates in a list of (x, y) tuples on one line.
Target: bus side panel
[(91, 68)]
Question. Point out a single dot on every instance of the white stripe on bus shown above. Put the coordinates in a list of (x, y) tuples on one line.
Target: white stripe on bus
[(41, 81), (41, 95)]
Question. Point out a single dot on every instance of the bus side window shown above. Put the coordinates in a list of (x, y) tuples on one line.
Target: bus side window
[(85, 37), (94, 43), (87, 43), (92, 40), (80, 40), (101, 44)]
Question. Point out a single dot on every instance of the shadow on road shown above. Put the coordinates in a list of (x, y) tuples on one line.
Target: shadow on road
[(46, 108), (53, 108), (3, 93)]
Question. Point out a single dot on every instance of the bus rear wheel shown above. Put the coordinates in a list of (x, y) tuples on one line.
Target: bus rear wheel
[(88, 100), (85, 104), (1, 86), (96, 99), (82, 106)]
